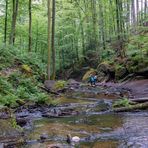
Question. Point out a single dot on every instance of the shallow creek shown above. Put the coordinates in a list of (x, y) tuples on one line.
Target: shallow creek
[(96, 126)]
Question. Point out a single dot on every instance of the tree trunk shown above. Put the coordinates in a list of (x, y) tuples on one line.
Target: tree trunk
[(137, 2), (127, 16), (6, 16), (13, 24), (49, 33), (141, 19), (94, 19), (102, 25), (82, 33), (30, 27), (117, 19), (145, 9), (37, 34), (133, 12), (53, 36)]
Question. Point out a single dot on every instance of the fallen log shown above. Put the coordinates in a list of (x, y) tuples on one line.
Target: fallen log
[(132, 107), (140, 100)]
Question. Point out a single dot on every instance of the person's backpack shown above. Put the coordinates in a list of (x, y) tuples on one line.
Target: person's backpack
[(91, 78)]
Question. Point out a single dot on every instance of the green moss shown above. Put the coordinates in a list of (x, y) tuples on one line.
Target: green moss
[(87, 74), (60, 85), (26, 68), (122, 103)]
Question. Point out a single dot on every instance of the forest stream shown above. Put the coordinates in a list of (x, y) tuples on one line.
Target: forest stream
[(85, 112)]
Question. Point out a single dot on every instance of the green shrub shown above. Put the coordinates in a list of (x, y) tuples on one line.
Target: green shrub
[(5, 86), (18, 85), (122, 103), (8, 100), (42, 98)]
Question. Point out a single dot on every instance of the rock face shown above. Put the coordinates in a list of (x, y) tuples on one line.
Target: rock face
[(106, 72)]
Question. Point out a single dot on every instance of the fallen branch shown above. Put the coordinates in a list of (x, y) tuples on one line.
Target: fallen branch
[(132, 107), (48, 90), (140, 100)]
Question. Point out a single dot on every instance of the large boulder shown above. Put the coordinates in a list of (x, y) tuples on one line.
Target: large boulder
[(55, 86), (121, 72), (49, 84), (106, 72)]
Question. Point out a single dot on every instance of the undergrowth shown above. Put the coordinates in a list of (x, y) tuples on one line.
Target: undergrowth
[(23, 83)]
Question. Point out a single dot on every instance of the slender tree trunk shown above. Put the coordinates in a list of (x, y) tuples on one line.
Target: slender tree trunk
[(82, 34), (13, 24), (37, 34), (49, 33), (133, 12), (6, 16), (120, 50), (137, 2), (75, 43), (30, 27), (145, 9), (141, 19), (128, 16), (102, 25), (117, 19), (93, 6), (53, 36)]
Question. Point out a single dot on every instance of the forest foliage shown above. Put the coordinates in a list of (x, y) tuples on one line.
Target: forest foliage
[(84, 34), (109, 28)]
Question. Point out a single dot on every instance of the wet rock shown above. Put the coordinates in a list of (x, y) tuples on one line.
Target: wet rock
[(49, 84), (73, 82), (56, 146), (10, 136), (1, 145), (22, 121), (44, 136), (5, 112)]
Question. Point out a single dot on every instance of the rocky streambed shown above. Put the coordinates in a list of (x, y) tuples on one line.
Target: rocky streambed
[(83, 111)]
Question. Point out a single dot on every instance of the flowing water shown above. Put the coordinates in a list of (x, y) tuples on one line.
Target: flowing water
[(96, 126)]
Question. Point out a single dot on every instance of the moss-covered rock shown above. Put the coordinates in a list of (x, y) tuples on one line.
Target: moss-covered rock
[(59, 85), (106, 71), (26, 69), (88, 73), (120, 72)]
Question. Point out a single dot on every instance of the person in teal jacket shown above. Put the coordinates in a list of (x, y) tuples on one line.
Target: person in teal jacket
[(92, 80)]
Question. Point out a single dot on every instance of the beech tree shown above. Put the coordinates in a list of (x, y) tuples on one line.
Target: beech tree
[(30, 27), (53, 40), (6, 19), (49, 41), (13, 21)]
